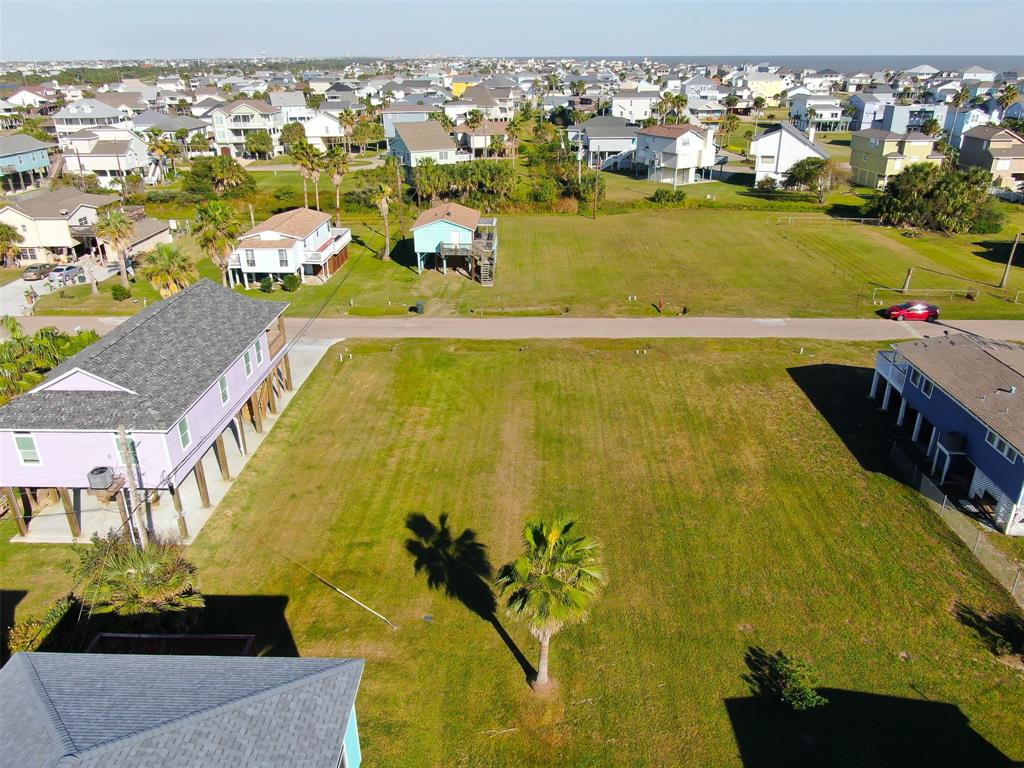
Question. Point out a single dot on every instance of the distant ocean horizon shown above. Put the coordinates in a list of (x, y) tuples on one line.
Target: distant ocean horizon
[(847, 64)]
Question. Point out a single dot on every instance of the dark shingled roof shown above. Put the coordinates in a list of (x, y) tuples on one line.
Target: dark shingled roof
[(166, 357), (123, 710)]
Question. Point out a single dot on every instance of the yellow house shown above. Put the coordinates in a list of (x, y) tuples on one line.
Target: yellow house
[(876, 155), (461, 82)]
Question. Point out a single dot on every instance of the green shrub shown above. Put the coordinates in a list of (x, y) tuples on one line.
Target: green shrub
[(267, 285), (767, 184), (990, 219), (291, 283), (287, 194), (544, 191), (120, 293), (27, 634), (668, 197)]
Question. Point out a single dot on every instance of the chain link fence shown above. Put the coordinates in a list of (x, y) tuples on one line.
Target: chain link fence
[(975, 536)]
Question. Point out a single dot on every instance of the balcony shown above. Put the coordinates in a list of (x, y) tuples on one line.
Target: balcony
[(892, 367)]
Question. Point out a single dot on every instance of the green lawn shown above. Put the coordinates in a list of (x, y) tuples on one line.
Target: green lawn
[(734, 514), (713, 262), (10, 274)]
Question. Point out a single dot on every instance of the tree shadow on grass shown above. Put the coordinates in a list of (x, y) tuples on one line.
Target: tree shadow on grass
[(853, 730), (458, 565), (1002, 633)]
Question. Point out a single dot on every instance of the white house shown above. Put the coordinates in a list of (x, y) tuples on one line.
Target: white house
[(234, 121), (415, 142), (776, 150), (698, 87), (979, 74), (324, 130), (110, 154), (634, 106), (675, 154), (86, 115), (292, 105), (299, 242), (824, 112), (607, 142)]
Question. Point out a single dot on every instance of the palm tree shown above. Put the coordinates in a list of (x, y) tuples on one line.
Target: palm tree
[(759, 105), (117, 577), (168, 269), (302, 154), (182, 136), (216, 228), (446, 122), (117, 230), (384, 193), (199, 143), (9, 239), (474, 119), (731, 101), (1007, 98), (514, 129), (24, 359), (336, 164), (960, 98), (227, 174), (348, 119), (554, 582), (315, 158), (729, 124)]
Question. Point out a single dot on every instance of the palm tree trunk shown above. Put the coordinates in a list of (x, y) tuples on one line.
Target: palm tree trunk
[(316, 191), (542, 678), (337, 197), (387, 238), (122, 267), (305, 194)]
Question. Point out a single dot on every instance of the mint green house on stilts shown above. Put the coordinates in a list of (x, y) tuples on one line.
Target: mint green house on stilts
[(457, 236)]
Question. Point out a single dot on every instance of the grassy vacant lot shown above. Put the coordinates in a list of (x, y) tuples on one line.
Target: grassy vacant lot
[(9, 275), (713, 262), (733, 514)]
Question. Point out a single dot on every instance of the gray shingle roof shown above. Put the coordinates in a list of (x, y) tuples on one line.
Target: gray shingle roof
[(986, 377), (120, 710), (19, 142), (167, 356)]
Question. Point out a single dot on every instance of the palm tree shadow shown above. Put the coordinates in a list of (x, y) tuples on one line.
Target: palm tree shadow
[(459, 566)]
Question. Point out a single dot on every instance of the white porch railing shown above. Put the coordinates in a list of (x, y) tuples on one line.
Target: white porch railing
[(892, 367)]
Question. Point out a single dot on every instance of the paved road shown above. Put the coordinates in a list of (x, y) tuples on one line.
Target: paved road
[(844, 329)]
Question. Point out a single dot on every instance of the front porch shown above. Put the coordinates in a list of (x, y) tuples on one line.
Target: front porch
[(69, 515)]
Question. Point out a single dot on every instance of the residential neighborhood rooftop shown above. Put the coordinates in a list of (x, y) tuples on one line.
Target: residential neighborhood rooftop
[(460, 215), (299, 222)]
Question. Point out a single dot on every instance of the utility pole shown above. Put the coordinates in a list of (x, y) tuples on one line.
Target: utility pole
[(1009, 262), (906, 282), (130, 468)]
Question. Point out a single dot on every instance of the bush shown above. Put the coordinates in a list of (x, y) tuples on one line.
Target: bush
[(767, 184), (668, 197), (777, 677), (544, 191), (267, 285), (287, 194), (990, 219), (290, 283), (27, 634), (120, 293)]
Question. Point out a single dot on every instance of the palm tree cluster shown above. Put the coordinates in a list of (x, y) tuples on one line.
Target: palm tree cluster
[(10, 238), (313, 162), (463, 180), (672, 108), (216, 228), (25, 358), (117, 230)]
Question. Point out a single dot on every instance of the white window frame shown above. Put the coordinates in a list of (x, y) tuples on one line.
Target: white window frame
[(915, 377), (247, 360), (184, 436), (282, 257), (250, 258), (225, 391), (259, 352), (927, 387), (1001, 447), (21, 451)]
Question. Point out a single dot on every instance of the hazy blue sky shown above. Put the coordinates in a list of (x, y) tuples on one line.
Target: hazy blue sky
[(44, 29)]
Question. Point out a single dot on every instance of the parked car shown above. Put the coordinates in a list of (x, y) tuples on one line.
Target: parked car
[(913, 310), (66, 273), (37, 271)]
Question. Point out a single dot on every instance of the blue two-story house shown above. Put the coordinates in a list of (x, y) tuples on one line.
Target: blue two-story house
[(962, 399), (22, 161)]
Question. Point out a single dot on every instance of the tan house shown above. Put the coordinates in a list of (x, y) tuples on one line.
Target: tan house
[(999, 151), (876, 154)]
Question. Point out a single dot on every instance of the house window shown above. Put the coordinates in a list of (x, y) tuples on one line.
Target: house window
[(183, 433), (222, 384), (926, 386), (250, 257), (247, 359), (259, 352), (442, 155), (915, 377), (282, 257), (1001, 446), (27, 450)]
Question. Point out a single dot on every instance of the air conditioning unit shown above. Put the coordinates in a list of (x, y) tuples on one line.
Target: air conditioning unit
[(101, 478)]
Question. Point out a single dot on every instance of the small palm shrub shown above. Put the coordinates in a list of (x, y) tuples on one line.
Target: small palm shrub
[(120, 293), (291, 283), (267, 285)]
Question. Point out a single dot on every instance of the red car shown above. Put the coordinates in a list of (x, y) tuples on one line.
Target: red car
[(913, 310)]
